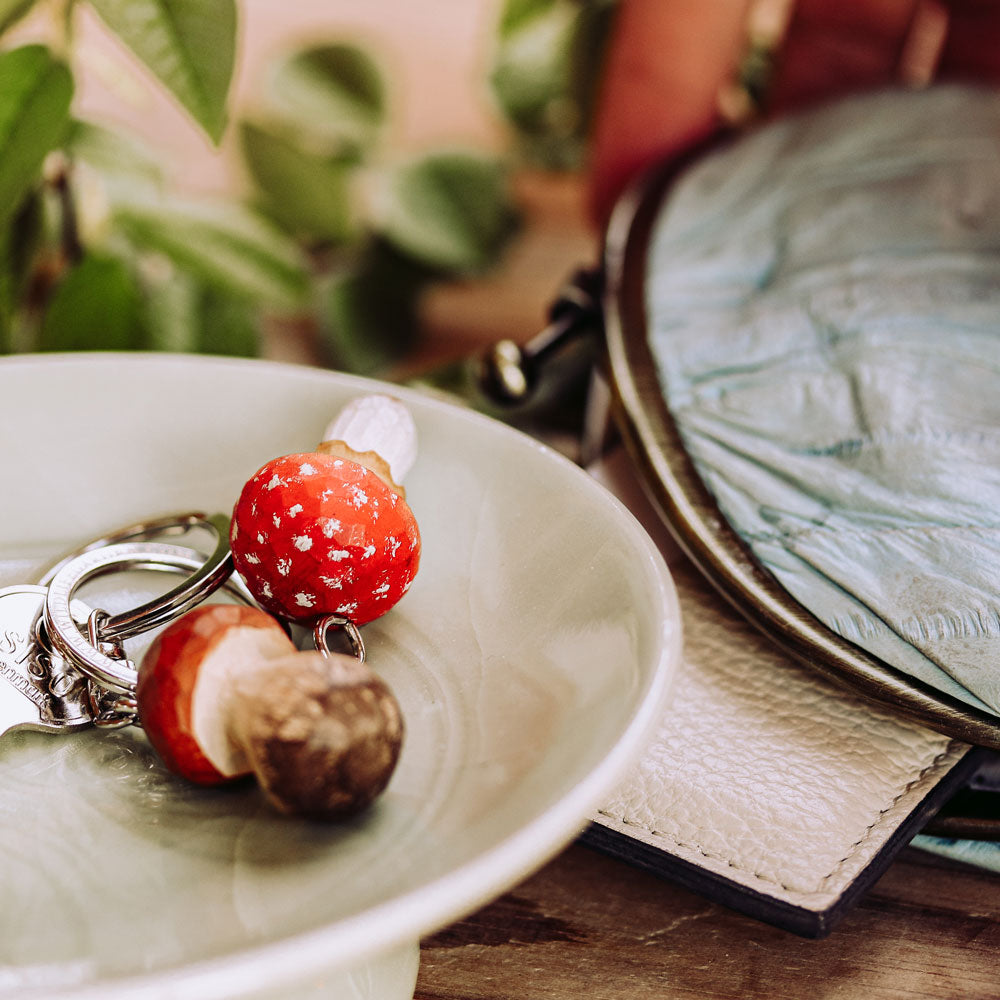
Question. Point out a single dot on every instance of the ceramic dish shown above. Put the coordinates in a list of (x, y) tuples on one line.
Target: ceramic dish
[(530, 657)]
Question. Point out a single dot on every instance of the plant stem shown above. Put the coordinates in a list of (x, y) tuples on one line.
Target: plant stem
[(62, 27), (69, 231)]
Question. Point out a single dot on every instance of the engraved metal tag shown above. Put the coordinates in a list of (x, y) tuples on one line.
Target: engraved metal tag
[(39, 689)]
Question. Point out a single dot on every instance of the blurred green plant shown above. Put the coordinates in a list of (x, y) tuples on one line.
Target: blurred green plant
[(546, 71), (333, 238)]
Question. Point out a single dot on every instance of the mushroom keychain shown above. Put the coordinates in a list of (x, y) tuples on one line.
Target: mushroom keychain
[(330, 532), (223, 692)]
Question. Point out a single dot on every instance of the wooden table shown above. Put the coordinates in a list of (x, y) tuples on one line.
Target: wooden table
[(587, 926)]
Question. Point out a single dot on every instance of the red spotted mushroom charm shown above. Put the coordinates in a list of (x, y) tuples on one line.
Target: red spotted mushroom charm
[(329, 531)]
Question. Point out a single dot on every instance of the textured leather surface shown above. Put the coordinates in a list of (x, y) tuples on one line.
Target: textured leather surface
[(763, 774), (821, 301)]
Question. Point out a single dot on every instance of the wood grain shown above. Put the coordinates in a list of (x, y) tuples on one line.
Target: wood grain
[(589, 926)]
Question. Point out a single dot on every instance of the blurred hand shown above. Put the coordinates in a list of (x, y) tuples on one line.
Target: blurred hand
[(670, 59)]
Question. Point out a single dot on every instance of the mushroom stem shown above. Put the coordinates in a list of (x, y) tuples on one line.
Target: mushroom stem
[(378, 426)]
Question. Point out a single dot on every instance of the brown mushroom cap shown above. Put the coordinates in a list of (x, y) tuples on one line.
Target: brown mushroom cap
[(184, 684), (322, 734)]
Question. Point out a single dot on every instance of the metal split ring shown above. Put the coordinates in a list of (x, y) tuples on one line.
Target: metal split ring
[(145, 531), (322, 630), (99, 652), (69, 641), (209, 574)]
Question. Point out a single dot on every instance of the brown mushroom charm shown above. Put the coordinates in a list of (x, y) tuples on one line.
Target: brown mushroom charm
[(223, 693), (321, 733)]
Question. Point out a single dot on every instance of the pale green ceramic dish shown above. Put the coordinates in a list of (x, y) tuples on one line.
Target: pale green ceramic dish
[(530, 657)]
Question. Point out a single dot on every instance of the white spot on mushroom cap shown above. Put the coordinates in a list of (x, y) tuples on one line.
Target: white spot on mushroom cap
[(294, 509), (284, 566), (368, 552), (338, 555), (305, 469), (333, 582), (304, 600), (302, 542), (329, 526), (252, 559), (273, 482)]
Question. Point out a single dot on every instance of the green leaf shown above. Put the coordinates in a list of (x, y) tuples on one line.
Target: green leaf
[(305, 193), (35, 93), (184, 315), (533, 64), (12, 11), (118, 158), (96, 306), (22, 239), (19, 243), (450, 211), (546, 71), (517, 12), (222, 244), (370, 315), (334, 92), (227, 326), (6, 302), (172, 316), (189, 45)]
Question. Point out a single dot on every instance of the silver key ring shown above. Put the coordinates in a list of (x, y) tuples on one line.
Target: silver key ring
[(209, 575), (146, 531), (66, 637)]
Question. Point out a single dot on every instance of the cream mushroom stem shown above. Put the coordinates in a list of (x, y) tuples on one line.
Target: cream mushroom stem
[(375, 431)]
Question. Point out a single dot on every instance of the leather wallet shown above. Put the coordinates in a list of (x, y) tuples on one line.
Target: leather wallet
[(767, 787)]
